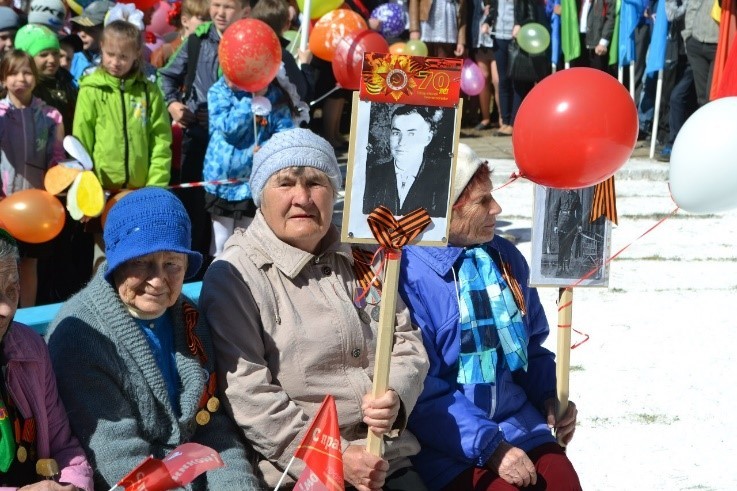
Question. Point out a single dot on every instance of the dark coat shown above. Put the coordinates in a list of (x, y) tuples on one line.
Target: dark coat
[(429, 191)]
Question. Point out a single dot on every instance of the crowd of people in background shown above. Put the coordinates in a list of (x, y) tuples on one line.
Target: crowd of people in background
[(108, 79)]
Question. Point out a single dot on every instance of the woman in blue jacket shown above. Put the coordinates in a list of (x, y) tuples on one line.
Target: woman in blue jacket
[(485, 416)]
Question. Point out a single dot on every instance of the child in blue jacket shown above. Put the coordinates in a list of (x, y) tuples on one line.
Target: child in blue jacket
[(240, 122)]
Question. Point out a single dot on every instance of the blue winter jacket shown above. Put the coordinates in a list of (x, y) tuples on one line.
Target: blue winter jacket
[(230, 150), (460, 426)]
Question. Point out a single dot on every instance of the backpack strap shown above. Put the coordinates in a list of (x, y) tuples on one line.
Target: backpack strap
[(194, 43)]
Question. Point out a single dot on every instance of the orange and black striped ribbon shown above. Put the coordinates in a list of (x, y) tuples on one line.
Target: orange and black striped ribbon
[(515, 287), (191, 316), (362, 261), (605, 201), (391, 233)]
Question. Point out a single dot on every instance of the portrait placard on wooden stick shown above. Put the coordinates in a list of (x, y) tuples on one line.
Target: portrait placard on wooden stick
[(403, 147)]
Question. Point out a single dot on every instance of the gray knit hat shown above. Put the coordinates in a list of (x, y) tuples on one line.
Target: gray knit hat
[(297, 147), (9, 20)]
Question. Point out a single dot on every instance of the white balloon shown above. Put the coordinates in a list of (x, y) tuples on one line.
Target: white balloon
[(703, 163)]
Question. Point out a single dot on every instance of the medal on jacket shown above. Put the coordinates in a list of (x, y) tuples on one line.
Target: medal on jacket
[(209, 403), (213, 404), (22, 454), (202, 418)]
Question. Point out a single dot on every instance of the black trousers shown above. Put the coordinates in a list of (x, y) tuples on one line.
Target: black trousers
[(701, 58)]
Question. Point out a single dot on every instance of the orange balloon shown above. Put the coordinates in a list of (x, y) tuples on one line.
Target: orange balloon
[(110, 202), (32, 216), (331, 28), (398, 48)]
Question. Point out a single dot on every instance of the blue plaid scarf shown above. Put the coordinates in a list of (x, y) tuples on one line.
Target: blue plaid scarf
[(489, 317)]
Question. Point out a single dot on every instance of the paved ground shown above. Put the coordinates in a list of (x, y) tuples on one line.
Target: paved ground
[(654, 384)]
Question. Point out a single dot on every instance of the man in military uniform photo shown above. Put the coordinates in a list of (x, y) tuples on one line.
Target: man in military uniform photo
[(566, 215)]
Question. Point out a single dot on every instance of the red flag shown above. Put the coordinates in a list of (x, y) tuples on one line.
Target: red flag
[(723, 57), (179, 468), (149, 475), (189, 460), (321, 450)]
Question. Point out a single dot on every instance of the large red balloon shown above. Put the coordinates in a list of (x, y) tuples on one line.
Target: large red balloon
[(250, 54), (574, 129), (348, 61), (33, 215)]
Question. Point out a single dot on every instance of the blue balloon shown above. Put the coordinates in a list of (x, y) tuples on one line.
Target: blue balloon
[(392, 17)]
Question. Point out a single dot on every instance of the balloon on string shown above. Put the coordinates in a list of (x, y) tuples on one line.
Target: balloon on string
[(703, 162), (398, 48), (32, 216), (392, 19), (348, 61), (533, 38), (318, 8), (472, 79), (415, 47), (250, 54), (160, 20), (331, 28), (574, 129)]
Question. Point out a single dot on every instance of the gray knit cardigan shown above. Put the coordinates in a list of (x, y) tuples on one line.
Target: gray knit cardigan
[(116, 397)]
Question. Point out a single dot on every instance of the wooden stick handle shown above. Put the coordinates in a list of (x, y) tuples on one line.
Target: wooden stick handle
[(384, 340), (563, 356)]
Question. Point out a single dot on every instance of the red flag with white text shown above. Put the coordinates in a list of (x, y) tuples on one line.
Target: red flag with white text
[(179, 468), (321, 451)]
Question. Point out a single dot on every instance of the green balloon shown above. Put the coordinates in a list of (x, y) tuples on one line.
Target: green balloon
[(533, 38), (415, 47)]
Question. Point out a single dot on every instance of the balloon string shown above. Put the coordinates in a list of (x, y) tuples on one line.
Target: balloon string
[(609, 260), (513, 177), (337, 87)]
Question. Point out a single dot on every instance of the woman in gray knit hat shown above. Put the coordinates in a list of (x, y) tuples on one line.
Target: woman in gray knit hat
[(279, 301)]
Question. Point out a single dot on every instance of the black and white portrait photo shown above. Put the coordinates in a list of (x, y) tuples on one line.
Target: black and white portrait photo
[(409, 174), (402, 158), (566, 244)]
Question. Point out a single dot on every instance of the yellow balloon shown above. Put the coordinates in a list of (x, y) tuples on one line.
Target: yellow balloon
[(318, 8)]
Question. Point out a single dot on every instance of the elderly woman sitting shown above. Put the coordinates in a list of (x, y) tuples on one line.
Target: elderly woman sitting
[(286, 331), (33, 422), (135, 367), (485, 414)]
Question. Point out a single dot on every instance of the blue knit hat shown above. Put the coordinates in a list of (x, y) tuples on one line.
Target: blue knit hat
[(146, 221), (297, 147)]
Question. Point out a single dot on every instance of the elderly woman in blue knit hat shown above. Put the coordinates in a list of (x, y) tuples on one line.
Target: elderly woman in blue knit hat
[(485, 415), (33, 423), (287, 332), (134, 364)]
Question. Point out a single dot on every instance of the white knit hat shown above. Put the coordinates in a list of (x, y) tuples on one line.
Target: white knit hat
[(466, 166)]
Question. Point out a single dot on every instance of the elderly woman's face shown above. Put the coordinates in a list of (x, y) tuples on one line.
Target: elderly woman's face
[(474, 222), (9, 291), (297, 204), (152, 283)]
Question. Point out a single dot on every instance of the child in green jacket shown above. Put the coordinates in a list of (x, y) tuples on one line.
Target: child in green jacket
[(121, 119)]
